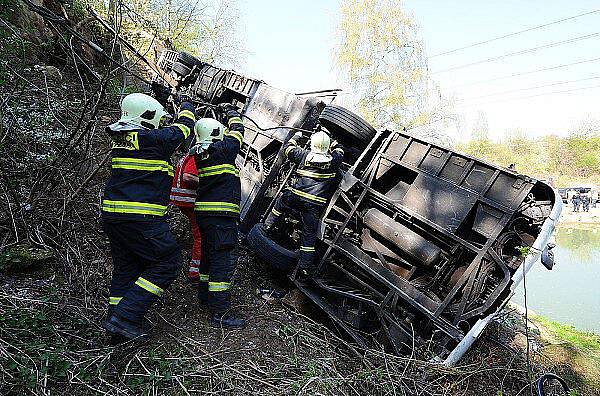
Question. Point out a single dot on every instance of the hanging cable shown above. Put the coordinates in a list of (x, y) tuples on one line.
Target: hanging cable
[(528, 72), (214, 106), (514, 33), (522, 52), (532, 96), (526, 325), (530, 88)]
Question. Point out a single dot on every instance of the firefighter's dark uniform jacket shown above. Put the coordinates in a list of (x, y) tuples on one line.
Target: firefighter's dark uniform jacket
[(219, 189), (311, 188), (217, 213), (314, 181), (142, 173), (146, 258)]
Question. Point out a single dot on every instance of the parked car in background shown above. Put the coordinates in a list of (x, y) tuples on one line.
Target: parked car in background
[(563, 194)]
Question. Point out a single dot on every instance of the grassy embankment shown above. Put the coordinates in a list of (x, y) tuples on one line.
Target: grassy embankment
[(578, 349)]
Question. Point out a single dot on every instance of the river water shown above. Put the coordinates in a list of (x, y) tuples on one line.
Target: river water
[(570, 293)]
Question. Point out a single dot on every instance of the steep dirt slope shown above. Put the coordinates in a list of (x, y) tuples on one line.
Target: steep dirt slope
[(55, 268)]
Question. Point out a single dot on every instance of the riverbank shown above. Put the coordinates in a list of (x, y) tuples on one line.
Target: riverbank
[(590, 219), (563, 344)]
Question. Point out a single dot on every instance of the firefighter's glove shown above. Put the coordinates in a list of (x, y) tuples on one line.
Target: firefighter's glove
[(181, 98), (231, 117), (161, 92), (225, 107), (296, 138)]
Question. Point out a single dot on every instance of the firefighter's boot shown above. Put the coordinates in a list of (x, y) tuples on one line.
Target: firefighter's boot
[(228, 320), (117, 325)]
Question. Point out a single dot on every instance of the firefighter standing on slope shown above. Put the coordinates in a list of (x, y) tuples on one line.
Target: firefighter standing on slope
[(218, 210), (146, 258), (313, 185), (183, 195)]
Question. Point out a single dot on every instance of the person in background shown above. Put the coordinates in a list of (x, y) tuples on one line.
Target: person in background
[(585, 202), (183, 195)]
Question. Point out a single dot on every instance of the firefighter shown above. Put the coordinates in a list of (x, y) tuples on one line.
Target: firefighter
[(146, 258), (183, 195), (314, 181), (218, 210)]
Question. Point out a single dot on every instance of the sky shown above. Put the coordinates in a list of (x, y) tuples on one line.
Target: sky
[(290, 46)]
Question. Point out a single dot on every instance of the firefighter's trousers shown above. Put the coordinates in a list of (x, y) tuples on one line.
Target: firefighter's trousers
[(146, 260), (219, 244), (309, 214)]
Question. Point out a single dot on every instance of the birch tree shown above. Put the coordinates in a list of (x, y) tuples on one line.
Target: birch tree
[(380, 56)]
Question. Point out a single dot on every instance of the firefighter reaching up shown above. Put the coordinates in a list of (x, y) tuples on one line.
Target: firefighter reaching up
[(312, 186), (146, 258), (217, 210)]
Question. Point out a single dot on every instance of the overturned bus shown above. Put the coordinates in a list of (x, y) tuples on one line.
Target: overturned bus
[(419, 246)]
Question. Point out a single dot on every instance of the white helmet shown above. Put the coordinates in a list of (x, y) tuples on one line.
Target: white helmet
[(319, 147), (208, 130), (141, 110)]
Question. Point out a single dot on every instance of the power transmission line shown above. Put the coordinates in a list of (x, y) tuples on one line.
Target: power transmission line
[(528, 72), (531, 88), (525, 51), (515, 33), (531, 96)]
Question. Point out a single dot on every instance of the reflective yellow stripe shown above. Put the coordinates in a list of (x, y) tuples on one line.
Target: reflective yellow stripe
[(289, 150), (203, 277), (149, 286), (218, 286), (186, 114), (234, 134), (303, 172), (234, 120), (307, 195), (133, 207), (185, 130), (217, 207), (142, 164), (218, 170), (307, 249), (275, 212), (114, 300), (339, 149)]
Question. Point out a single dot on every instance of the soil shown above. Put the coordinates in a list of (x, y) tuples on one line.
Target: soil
[(51, 341)]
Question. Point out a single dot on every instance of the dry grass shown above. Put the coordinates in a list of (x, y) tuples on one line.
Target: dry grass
[(53, 165)]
